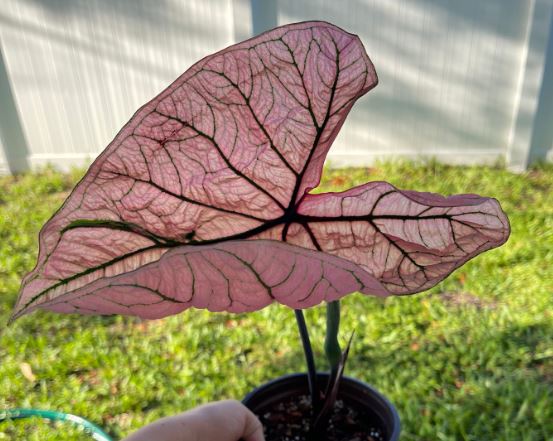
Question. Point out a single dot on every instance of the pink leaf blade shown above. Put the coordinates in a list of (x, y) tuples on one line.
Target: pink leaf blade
[(408, 240), (237, 276), (222, 152), (197, 188)]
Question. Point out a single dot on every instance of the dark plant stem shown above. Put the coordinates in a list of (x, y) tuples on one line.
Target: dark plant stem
[(310, 360), (332, 346)]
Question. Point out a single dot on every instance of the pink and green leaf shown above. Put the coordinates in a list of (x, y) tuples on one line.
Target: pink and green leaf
[(202, 199)]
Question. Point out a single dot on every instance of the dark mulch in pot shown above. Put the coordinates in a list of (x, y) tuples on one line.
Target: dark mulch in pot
[(290, 420)]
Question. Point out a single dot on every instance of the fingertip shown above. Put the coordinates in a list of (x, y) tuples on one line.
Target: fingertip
[(254, 429), (257, 435)]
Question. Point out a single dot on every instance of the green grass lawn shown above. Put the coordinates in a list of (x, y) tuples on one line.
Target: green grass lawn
[(472, 359)]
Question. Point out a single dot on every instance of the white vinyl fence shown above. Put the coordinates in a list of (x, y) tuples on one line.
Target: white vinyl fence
[(463, 81)]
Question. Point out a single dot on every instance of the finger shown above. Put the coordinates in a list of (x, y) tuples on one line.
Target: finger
[(253, 429), (245, 426)]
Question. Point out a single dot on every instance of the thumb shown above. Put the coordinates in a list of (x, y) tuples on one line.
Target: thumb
[(253, 430)]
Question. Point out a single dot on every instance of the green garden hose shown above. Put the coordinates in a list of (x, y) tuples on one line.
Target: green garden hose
[(90, 428)]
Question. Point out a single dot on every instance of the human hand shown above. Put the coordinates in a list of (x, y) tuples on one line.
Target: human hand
[(227, 420)]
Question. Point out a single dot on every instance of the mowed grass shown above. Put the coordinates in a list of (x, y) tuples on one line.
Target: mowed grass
[(472, 359)]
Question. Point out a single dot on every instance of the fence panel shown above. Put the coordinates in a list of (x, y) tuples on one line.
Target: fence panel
[(460, 81), (448, 75), (78, 69)]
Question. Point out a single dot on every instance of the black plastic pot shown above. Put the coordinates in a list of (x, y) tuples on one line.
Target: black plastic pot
[(352, 391)]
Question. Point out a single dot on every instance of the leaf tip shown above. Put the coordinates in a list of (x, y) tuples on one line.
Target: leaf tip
[(16, 313), (12, 319)]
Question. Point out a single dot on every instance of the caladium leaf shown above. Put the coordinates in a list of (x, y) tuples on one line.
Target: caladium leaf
[(221, 163)]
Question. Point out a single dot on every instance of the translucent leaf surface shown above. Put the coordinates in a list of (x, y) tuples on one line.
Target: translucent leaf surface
[(190, 203), (236, 276)]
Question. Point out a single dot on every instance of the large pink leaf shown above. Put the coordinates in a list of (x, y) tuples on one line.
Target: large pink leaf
[(228, 153)]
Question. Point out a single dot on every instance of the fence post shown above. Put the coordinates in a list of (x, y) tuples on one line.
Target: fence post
[(541, 146), (264, 15), (13, 145), (251, 17), (532, 83)]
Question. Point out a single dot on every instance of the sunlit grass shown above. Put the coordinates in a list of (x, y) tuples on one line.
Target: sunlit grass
[(470, 360)]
